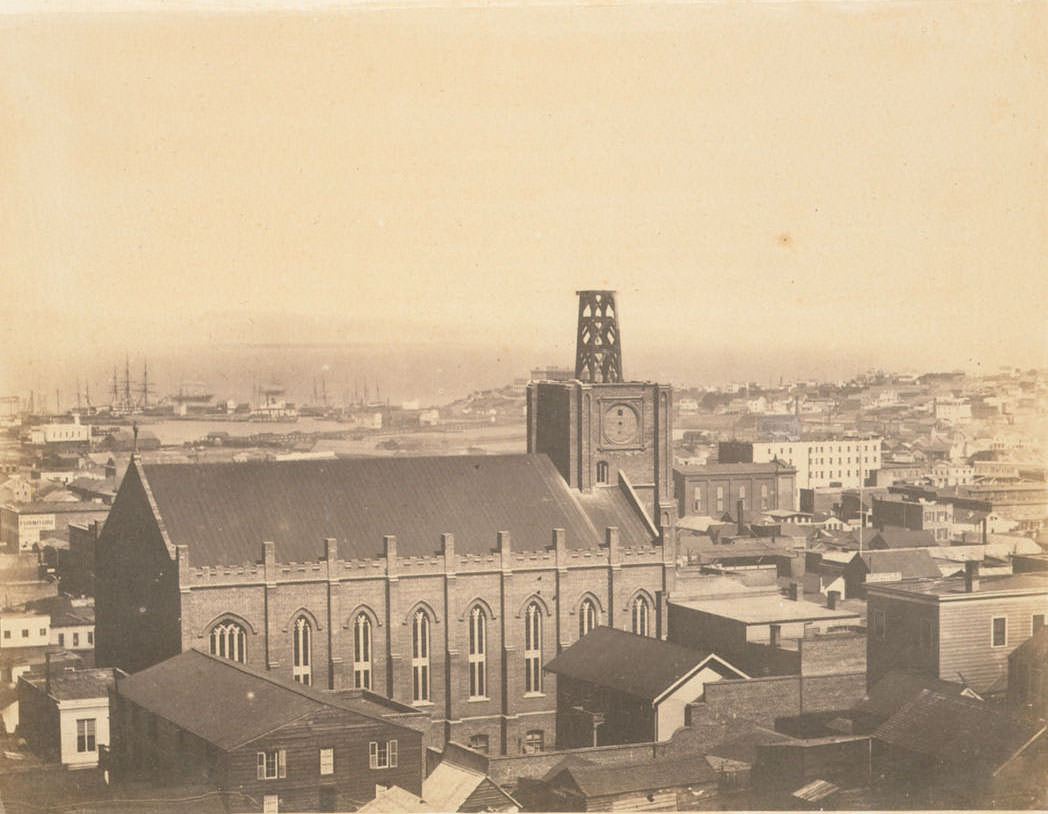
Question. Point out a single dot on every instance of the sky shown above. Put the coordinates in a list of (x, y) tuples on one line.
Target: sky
[(797, 189)]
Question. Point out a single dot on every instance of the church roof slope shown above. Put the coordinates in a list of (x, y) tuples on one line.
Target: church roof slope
[(224, 511)]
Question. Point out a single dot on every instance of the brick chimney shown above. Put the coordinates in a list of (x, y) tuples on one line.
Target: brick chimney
[(971, 576), (774, 635), (832, 598)]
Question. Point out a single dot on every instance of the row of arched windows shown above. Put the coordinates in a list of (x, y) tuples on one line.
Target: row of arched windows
[(228, 640)]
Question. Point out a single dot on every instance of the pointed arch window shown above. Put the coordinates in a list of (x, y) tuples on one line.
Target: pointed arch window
[(478, 653), (302, 651), (362, 651), (641, 614), (229, 641), (420, 656), (533, 648), (587, 616)]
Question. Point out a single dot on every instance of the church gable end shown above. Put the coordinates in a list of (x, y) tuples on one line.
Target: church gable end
[(137, 603)]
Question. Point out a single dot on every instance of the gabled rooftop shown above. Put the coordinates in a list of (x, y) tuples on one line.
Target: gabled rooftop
[(224, 511), (960, 731), (635, 665), (240, 704)]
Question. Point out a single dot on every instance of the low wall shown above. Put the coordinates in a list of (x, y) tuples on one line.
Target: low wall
[(763, 700)]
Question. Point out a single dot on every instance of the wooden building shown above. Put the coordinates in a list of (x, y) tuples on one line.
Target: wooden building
[(616, 687), (957, 628), (199, 719)]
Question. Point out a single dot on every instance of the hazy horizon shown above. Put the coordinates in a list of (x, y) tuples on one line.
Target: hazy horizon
[(798, 190)]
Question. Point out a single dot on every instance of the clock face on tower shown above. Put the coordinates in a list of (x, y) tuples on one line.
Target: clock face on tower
[(621, 424)]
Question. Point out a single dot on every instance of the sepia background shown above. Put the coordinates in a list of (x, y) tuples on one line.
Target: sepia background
[(414, 192)]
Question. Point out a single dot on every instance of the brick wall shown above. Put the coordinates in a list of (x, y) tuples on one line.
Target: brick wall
[(762, 700), (833, 653)]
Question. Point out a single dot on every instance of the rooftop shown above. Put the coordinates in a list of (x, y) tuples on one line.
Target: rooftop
[(68, 685), (602, 781), (223, 511), (897, 688), (58, 507), (241, 703), (958, 730), (955, 588), (910, 563), (636, 665), (765, 609), (771, 467)]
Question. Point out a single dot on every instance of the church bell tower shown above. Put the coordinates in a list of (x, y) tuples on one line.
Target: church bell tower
[(600, 430)]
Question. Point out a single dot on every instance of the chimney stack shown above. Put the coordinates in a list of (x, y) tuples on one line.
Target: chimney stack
[(794, 593), (984, 535), (47, 673), (738, 514), (774, 635), (832, 598), (971, 576)]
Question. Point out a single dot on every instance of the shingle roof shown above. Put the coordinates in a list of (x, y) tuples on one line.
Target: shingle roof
[(636, 665), (960, 731), (897, 688), (224, 511), (240, 703), (910, 563), (602, 781)]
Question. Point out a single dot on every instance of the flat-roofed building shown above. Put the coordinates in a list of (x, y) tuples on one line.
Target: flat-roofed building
[(958, 628), (726, 626), (716, 488)]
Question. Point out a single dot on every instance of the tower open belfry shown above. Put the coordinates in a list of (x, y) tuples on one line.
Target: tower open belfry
[(598, 357)]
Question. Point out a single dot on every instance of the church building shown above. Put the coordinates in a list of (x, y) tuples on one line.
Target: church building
[(446, 583)]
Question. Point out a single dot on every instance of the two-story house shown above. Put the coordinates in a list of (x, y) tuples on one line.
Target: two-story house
[(958, 629), (202, 719)]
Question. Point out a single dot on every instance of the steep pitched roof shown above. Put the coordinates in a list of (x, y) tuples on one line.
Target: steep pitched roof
[(449, 786), (636, 665), (224, 511), (959, 731), (240, 704)]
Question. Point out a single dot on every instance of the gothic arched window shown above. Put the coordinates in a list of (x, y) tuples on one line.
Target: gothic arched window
[(533, 648), (587, 616), (302, 651), (229, 641), (420, 656), (362, 651), (478, 653), (641, 612)]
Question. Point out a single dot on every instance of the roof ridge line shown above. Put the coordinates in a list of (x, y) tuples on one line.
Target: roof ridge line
[(300, 689)]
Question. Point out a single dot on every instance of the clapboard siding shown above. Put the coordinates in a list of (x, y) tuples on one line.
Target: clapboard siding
[(901, 645), (353, 780), (965, 637), (960, 648)]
